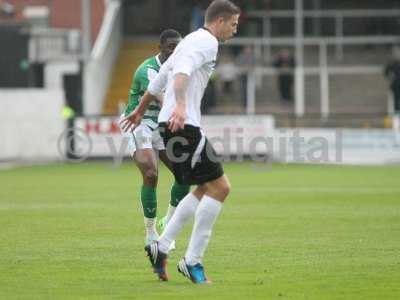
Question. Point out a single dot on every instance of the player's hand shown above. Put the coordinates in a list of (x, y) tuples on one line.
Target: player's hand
[(178, 117), (131, 121)]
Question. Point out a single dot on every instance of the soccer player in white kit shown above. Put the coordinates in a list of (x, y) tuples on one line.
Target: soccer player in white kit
[(184, 76)]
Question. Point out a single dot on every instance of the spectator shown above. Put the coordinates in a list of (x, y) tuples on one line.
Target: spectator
[(227, 72), (266, 5), (248, 26), (209, 98), (285, 64), (392, 73), (246, 62)]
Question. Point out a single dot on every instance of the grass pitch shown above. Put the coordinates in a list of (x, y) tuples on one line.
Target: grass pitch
[(285, 232)]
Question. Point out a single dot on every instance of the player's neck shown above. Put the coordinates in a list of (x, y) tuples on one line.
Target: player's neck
[(162, 57), (211, 28)]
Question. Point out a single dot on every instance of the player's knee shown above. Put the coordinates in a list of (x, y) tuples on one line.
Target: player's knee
[(225, 188), (221, 190), (150, 176)]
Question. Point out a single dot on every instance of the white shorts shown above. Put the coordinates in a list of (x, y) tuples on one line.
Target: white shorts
[(143, 137)]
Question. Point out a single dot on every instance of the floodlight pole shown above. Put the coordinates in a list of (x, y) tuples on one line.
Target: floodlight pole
[(86, 19), (299, 71)]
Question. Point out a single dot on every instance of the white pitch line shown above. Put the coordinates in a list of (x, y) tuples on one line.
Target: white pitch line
[(45, 206), (368, 190)]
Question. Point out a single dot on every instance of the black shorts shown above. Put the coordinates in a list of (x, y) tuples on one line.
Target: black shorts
[(194, 160)]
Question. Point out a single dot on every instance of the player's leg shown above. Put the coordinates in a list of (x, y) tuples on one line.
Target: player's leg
[(178, 192), (188, 205), (142, 150), (215, 193), (146, 161), (183, 213), (207, 212), (216, 188), (158, 252), (196, 168)]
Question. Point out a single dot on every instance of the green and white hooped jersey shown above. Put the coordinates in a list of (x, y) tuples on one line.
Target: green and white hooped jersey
[(146, 72)]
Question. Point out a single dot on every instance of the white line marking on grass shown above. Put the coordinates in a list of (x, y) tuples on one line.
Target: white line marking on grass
[(362, 190), (44, 206)]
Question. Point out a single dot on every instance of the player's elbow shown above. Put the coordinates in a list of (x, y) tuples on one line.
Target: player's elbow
[(180, 83)]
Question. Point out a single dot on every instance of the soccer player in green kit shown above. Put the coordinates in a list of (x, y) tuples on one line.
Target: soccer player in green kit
[(145, 139)]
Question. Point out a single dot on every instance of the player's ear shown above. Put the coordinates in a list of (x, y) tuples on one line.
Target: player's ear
[(221, 20)]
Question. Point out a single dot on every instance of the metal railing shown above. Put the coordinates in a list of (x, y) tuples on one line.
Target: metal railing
[(262, 46), (339, 17), (323, 69)]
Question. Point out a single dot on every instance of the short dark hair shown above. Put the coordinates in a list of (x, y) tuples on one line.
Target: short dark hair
[(221, 8), (169, 33)]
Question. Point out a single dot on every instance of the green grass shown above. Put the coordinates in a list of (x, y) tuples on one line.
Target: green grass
[(286, 232)]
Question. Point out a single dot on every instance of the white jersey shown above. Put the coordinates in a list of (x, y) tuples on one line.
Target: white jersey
[(194, 56)]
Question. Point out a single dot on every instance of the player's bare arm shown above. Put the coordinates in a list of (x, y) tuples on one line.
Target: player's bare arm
[(177, 120), (160, 98), (132, 120)]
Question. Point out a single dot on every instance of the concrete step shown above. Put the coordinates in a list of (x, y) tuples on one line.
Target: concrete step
[(131, 55)]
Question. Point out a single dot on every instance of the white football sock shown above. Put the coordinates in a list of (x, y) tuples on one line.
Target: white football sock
[(170, 212), (184, 211), (150, 226), (205, 217)]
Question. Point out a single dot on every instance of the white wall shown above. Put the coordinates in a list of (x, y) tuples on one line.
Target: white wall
[(30, 124), (55, 71)]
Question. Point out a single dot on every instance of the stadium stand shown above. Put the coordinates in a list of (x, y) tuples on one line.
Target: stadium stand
[(132, 53), (353, 67)]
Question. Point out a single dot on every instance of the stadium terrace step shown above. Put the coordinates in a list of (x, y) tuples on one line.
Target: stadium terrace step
[(131, 55)]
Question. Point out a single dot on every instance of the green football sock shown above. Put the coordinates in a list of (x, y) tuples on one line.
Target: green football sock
[(178, 191), (149, 201)]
